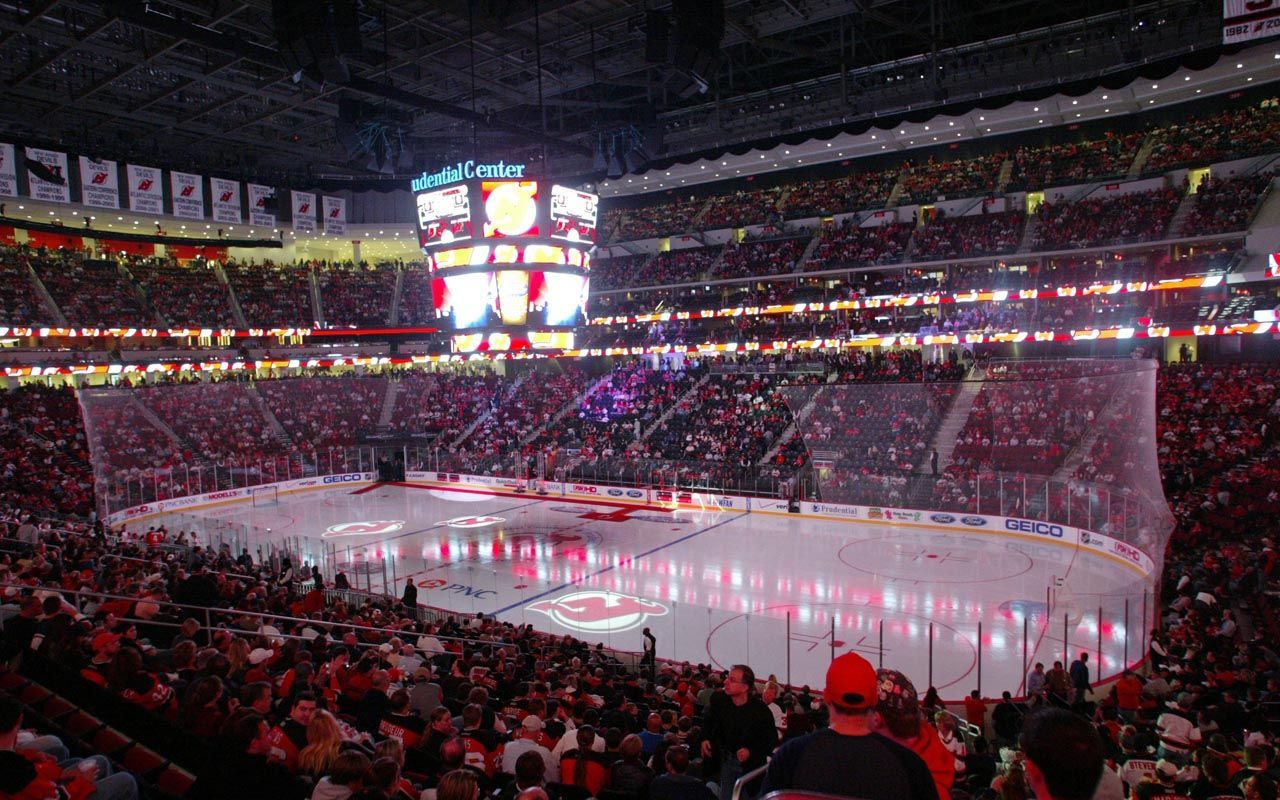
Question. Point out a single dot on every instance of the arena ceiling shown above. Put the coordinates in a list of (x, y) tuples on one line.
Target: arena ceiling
[(201, 85)]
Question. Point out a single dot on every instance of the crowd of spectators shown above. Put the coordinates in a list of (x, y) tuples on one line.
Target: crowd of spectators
[(974, 235), (759, 258), (1135, 217), (1207, 139), (618, 410), (854, 192), (1026, 420), (184, 295), (20, 303), (935, 179), (680, 266), (520, 410), (1037, 168), (357, 296), (439, 405), (741, 208), (726, 428), (416, 307), (848, 244), (1225, 205), (662, 219), (319, 413), (91, 292), (45, 451), (216, 423), (272, 296), (616, 272)]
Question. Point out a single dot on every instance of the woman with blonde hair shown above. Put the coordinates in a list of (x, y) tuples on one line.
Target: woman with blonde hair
[(324, 740), (238, 655), (458, 784)]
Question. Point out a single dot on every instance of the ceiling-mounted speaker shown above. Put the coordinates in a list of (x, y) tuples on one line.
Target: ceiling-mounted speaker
[(657, 37), (315, 36)]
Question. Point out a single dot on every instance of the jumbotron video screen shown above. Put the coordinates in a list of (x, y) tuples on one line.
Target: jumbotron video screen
[(510, 255)]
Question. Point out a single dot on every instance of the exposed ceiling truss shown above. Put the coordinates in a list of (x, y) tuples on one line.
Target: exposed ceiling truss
[(199, 84)]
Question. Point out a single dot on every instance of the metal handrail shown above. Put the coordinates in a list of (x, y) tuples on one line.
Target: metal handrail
[(740, 784), (208, 613)]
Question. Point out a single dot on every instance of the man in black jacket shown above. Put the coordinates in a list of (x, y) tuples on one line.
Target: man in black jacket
[(739, 730)]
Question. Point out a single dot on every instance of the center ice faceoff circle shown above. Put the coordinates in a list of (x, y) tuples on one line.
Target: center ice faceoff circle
[(363, 528)]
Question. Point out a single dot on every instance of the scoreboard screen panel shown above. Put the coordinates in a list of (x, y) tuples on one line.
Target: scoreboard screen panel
[(510, 208), (573, 214), (444, 216)]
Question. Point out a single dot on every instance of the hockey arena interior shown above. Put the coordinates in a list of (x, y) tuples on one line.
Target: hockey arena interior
[(685, 399)]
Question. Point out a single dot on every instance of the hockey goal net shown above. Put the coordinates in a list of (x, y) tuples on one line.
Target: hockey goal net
[(264, 495)]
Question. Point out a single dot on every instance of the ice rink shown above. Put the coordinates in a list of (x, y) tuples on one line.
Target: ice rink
[(779, 593)]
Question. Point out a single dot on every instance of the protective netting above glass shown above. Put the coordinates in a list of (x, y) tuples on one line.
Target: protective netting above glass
[(1071, 442)]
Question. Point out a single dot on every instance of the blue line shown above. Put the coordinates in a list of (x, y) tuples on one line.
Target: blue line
[(630, 561)]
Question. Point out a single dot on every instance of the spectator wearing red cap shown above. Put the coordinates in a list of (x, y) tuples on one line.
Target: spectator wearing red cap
[(850, 758)]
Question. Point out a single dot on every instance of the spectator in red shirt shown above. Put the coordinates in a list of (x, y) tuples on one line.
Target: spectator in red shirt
[(975, 711)]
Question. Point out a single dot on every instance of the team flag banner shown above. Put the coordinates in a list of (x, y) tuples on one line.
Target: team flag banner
[(99, 183), (8, 172), (188, 195), (146, 189), (258, 213), (56, 163), (1246, 20), (304, 211), (335, 216), (226, 200)]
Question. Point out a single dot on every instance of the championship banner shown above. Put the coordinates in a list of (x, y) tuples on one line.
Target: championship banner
[(188, 195), (8, 172), (40, 189), (146, 189), (258, 213), (335, 216), (226, 200), (99, 183), (1246, 20), (304, 211)]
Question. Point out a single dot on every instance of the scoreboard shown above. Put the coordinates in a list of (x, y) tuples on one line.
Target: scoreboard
[(510, 258)]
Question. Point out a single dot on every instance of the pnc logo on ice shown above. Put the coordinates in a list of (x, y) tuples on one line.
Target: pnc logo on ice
[(363, 528), (599, 612)]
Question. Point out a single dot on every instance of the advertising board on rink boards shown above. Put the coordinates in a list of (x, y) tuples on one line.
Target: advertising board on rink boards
[(171, 504), (1025, 529)]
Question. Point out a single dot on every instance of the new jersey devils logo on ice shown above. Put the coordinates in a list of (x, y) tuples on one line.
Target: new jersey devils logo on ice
[(363, 528), (471, 522), (599, 612)]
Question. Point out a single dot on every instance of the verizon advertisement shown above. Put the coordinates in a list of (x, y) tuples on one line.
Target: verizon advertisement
[(8, 172), (99, 183), (226, 200), (1246, 20), (335, 216), (304, 211), (146, 189), (259, 211), (188, 195), (40, 189)]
